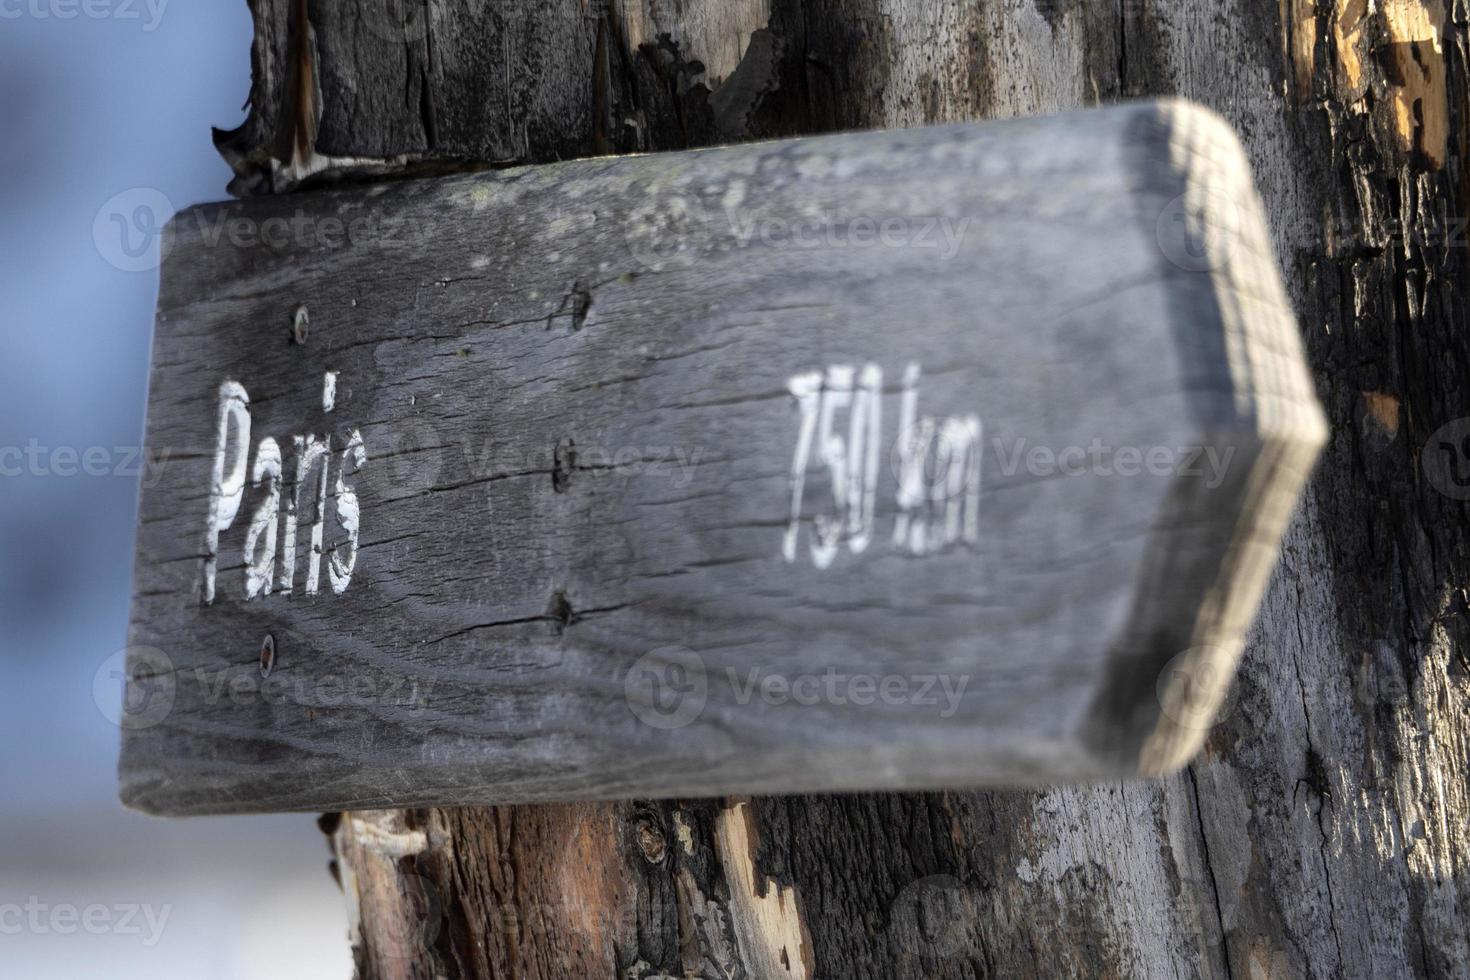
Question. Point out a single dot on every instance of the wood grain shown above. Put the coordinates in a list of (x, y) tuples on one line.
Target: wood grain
[(1322, 832), (574, 386)]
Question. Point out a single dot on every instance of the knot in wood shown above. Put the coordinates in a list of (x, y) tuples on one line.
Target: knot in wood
[(651, 840)]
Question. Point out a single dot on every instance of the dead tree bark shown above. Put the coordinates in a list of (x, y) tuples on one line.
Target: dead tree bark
[(1323, 831)]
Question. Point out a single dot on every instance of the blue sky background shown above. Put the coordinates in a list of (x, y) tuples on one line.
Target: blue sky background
[(117, 97)]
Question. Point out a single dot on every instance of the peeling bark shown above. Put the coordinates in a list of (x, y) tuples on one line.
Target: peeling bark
[(1323, 831)]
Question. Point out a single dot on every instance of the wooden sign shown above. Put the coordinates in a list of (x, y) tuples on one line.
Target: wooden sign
[(910, 459)]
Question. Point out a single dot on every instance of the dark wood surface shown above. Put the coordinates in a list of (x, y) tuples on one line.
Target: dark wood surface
[(582, 395), (1322, 831)]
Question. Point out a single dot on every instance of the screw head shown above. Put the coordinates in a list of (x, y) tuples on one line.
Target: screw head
[(300, 325), (267, 655)]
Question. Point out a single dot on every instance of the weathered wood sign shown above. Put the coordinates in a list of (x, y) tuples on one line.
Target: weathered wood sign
[(907, 459)]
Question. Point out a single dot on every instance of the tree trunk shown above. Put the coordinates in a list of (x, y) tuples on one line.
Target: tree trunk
[(1322, 832)]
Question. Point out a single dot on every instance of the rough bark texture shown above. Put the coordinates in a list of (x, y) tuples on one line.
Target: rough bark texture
[(1322, 833)]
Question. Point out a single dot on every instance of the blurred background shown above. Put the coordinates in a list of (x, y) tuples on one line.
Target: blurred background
[(107, 104)]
